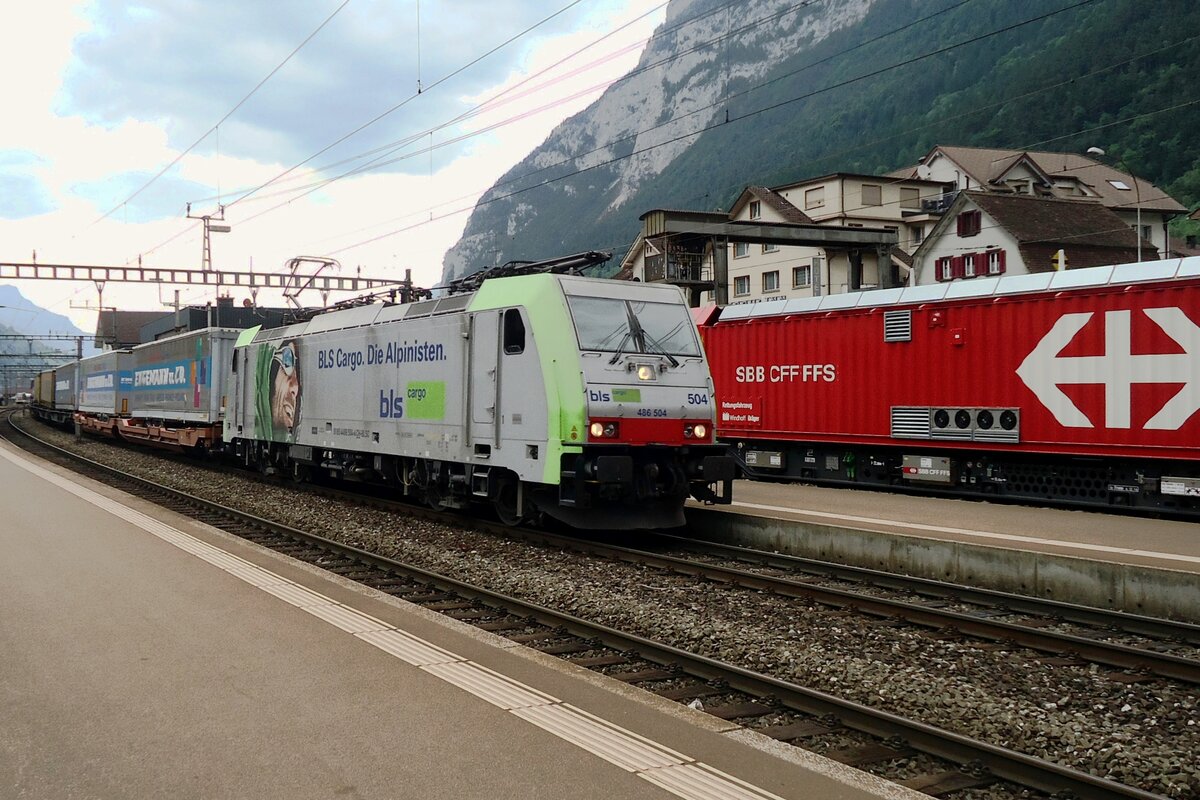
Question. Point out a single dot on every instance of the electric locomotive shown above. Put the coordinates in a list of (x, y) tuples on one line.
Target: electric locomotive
[(589, 401)]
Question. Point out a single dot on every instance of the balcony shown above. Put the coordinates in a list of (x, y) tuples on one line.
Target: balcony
[(939, 204)]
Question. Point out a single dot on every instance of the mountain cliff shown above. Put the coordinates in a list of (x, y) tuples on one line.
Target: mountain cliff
[(771, 91)]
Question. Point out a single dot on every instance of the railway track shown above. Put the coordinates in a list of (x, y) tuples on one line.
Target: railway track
[(949, 762)]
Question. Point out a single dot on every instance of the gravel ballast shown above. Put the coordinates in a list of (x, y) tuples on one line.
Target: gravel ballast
[(1142, 734)]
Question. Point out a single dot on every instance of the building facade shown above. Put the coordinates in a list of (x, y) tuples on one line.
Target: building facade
[(1066, 176), (986, 234)]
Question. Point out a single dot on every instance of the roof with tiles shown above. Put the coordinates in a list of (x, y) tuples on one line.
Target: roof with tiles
[(986, 166), (1051, 220), (778, 203)]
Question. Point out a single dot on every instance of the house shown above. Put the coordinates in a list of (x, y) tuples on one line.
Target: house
[(989, 233), (845, 199), (1051, 175), (771, 269), (117, 329)]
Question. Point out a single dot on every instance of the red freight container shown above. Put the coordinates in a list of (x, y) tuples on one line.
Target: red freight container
[(1079, 386)]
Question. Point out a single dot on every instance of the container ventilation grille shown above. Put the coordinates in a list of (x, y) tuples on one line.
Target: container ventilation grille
[(910, 422), (998, 436), (897, 326)]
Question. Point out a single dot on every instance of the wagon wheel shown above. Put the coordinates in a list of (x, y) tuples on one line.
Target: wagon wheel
[(300, 473)]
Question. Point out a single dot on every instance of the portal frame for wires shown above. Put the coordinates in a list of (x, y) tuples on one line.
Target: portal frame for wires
[(193, 277)]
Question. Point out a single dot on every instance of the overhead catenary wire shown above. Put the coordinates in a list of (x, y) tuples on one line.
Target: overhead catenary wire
[(509, 94), (314, 185), (228, 114), (246, 193), (654, 65), (736, 119), (405, 102), (433, 218)]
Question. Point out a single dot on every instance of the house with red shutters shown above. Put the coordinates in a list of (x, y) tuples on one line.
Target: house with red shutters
[(988, 234)]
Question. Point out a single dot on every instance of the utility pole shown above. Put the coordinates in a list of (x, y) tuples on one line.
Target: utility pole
[(206, 251), (406, 287)]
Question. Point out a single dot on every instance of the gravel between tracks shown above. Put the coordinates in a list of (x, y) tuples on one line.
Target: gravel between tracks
[(1145, 735)]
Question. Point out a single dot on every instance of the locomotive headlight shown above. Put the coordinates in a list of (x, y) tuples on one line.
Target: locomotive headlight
[(603, 430), (646, 373), (699, 431)]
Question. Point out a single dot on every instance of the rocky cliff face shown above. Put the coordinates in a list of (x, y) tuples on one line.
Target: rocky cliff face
[(593, 164), (769, 92)]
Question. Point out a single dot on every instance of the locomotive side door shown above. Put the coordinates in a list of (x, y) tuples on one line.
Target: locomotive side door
[(243, 393), (484, 393)]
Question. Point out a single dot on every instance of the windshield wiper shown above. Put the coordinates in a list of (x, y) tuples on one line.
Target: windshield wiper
[(620, 349), (640, 337)]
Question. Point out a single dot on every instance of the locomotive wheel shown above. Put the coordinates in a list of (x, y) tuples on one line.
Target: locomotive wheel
[(427, 477), (434, 498), (505, 504)]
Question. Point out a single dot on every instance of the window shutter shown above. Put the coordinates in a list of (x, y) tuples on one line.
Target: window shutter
[(959, 222), (1001, 256), (956, 267)]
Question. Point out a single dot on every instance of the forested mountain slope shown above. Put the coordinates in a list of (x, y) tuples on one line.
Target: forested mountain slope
[(773, 91)]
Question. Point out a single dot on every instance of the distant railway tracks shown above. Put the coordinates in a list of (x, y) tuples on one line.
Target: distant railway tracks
[(938, 761)]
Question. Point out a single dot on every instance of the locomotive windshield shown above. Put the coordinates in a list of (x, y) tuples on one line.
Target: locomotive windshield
[(633, 326)]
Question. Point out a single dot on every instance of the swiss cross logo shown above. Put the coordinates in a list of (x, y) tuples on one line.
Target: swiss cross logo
[(1044, 370)]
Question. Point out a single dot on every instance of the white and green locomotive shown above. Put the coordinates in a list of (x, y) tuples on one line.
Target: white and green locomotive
[(586, 400)]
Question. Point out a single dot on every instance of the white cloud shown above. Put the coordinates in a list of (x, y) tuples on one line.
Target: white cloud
[(91, 111)]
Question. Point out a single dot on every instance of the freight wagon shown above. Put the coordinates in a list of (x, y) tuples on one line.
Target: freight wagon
[(54, 394), (1076, 387), (104, 382), (173, 392)]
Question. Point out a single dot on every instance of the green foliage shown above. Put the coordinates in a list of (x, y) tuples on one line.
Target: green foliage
[(871, 99)]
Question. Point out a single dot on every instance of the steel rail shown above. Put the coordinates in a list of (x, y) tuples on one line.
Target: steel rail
[(1013, 766), (1153, 627), (1108, 653)]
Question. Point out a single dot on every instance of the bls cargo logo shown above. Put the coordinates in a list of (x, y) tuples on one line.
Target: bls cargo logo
[(1118, 369)]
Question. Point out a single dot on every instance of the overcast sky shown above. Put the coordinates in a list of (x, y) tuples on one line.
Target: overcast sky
[(101, 96)]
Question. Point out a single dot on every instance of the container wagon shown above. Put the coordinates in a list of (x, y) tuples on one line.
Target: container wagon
[(1077, 387)]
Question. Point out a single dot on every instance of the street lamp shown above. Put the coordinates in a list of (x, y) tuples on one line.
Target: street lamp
[(1137, 192)]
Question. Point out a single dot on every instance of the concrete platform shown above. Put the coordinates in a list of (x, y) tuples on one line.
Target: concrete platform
[(1137, 564), (146, 655)]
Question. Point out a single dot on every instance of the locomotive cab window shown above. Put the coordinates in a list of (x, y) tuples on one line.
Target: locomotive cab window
[(514, 332), (633, 326)]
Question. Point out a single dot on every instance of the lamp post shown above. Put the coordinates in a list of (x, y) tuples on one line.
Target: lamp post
[(1137, 193)]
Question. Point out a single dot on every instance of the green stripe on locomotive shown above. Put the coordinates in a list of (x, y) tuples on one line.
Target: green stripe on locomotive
[(558, 351)]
